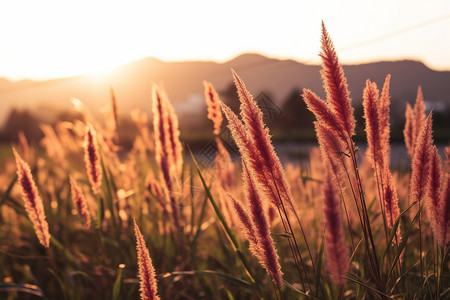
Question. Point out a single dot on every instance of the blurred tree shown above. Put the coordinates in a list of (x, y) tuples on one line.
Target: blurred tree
[(296, 120), (21, 120), (230, 97)]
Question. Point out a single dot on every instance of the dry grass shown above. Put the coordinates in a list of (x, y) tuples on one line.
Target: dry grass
[(342, 226)]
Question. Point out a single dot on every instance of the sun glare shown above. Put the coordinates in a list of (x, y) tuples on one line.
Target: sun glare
[(58, 39)]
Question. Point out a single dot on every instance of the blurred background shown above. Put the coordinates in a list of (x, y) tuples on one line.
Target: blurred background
[(52, 53)]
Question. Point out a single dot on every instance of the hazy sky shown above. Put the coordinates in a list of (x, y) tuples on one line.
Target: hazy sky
[(48, 39)]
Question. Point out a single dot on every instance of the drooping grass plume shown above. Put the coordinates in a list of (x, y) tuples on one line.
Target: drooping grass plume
[(444, 209), (421, 162), (240, 135), (323, 113), (92, 160), (262, 163), (415, 119), (331, 147), (242, 215), (166, 131), (174, 138), (213, 103), (419, 110), (166, 135), (160, 116), (373, 130), (336, 250), (436, 193), (147, 280), (268, 254), (408, 131), (385, 131), (80, 202), (447, 158), (341, 112), (32, 200), (224, 165), (262, 153), (390, 197), (376, 114), (335, 85)]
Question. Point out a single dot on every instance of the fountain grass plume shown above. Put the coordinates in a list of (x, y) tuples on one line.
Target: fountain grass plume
[(268, 255), (262, 151), (147, 280), (336, 249), (213, 103), (335, 84), (32, 200), (80, 202), (92, 160), (421, 162)]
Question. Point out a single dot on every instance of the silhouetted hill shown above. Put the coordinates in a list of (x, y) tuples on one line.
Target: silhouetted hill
[(183, 81)]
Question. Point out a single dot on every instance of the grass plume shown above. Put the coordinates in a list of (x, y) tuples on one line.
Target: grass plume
[(147, 280), (32, 200)]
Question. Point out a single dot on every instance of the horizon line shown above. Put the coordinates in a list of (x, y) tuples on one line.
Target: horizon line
[(314, 62)]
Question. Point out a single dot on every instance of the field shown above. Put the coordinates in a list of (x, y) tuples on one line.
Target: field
[(82, 218)]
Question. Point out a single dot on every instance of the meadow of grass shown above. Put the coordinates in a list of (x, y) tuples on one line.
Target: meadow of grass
[(82, 218)]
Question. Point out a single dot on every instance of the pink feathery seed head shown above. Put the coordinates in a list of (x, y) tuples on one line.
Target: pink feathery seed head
[(444, 209), (322, 112), (331, 147), (433, 195), (92, 160), (408, 131), (246, 223), (248, 104), (147, 276), (249, 154), (264, 154), (336, 249), (213, 103), (390, 196), (80, 202), (372, 117), (335, 85), (173, 132), (420, 174), (269, 256), (32, 201), (384, 104), (238, 131), (419, 109), (159, 123), (447, 159)]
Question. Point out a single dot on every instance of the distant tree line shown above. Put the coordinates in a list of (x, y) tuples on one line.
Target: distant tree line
[(294, 124)]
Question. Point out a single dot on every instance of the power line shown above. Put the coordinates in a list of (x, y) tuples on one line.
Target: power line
[(395, 33), (368, 42)]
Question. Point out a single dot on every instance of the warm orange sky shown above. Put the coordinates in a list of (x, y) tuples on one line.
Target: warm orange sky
[(49, 39)]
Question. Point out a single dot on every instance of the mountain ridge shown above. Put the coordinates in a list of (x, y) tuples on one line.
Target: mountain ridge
[(182, 80)]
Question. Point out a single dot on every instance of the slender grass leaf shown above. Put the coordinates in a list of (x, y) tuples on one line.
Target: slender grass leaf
[(117, 285), (403, 243), (228, 277), (63, 249), (21, 288), (60, 283), (393, 231)]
